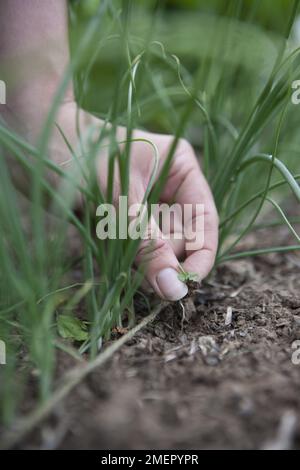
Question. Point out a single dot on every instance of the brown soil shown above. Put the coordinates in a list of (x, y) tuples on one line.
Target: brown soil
[(203, 380)]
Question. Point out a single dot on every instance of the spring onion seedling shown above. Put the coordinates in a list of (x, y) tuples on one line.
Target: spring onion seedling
[(228, 110)]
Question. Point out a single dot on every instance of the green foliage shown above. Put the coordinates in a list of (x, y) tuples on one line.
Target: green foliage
[(216, 77), (72, 328), (186, 277)]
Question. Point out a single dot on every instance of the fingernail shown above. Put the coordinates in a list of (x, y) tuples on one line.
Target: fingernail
[(170, 286)]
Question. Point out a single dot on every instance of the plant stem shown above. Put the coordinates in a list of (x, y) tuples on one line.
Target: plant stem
[(13, 436)]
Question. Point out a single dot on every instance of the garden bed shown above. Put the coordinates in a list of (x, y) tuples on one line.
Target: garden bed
[(211, 380)]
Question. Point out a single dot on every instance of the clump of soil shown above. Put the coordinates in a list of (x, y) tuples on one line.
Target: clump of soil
[(213, 371)]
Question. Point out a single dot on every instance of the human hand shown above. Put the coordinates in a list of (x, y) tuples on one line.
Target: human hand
[(185, 185)]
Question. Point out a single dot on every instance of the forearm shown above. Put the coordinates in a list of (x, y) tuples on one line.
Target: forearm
[(33, 55)]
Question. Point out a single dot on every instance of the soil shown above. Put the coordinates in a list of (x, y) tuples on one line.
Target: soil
[(214, 372)]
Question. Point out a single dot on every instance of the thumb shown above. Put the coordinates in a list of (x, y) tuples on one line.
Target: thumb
[(160, 263)]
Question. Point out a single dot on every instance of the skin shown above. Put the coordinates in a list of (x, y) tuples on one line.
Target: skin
[(34, 53)]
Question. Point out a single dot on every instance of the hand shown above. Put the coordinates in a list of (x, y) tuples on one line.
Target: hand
[(30, 101), (185, 185)]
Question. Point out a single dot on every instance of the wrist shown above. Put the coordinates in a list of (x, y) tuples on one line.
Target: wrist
[(34, 53)]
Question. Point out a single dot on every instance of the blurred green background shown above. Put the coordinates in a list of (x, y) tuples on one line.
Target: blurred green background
[(196, 31), (231, 44)]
